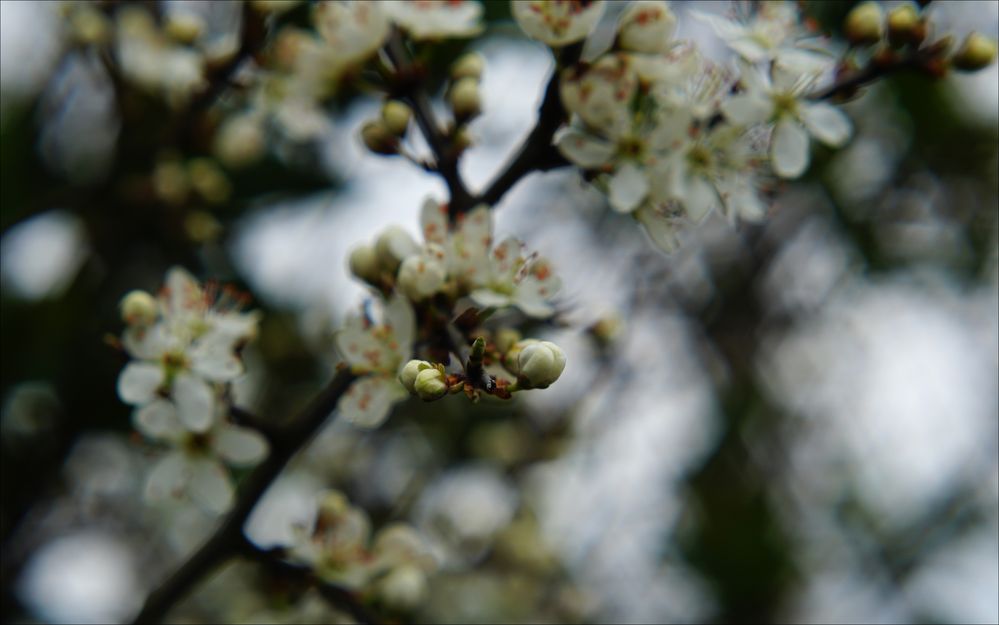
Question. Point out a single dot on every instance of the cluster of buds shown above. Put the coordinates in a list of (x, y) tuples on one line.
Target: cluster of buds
[(392, 567), (868, 24), (178, 182), (463, 93)]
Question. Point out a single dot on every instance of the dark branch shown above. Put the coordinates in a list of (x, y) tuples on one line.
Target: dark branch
[(339, 597), (928, 60), (228, 537)]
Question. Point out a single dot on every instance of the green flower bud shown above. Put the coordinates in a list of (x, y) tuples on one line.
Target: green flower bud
[(430, 384), (468, 65), (464, 98), (364, 263), (864, 24), (541, 363), (409, 372), (976, 52), (378, 138), (138, 308)]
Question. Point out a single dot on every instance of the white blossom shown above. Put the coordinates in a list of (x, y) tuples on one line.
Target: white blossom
[(557, 22), (436, 19)]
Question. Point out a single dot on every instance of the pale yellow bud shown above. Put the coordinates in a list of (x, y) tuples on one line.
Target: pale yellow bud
[(464, 98), (905, 25), (505, 339), (364, 263), (209, 180), (430, 384), (202, 227), (404, 588), (396, 116), (864, 24), (541, 363), (976, 52), (378, 138), (170, 182), (240, 141), (407, 377), (184, 27), (394, 245), (138, 308), (89, 25), (468, 65)]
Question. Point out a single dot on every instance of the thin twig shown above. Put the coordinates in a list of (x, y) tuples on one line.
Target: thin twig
[(228, 537), (927, 60)]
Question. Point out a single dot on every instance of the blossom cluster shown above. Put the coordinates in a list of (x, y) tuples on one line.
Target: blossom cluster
[(424, 288), (391, 567), (184, 344)]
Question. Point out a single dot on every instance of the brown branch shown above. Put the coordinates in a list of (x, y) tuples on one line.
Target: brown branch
[(337, 596), (928, 60), (228, 537)]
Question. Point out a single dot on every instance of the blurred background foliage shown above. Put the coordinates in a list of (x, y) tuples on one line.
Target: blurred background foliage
[(769, 519)]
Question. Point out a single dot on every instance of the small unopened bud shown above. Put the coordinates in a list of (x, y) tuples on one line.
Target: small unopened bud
[(464, 98), (138, 308), (396, 116), (409, 372), (976, 52), (905, 25), (334, 504), (430, 384), (364, 263), (864, 24), (393, 246), (468, 65), (378, 138), (420, 276), (541, 363), (209, 180), (240, 141), (184, 27), (202, 227), (646, 26), (505, 338), (170, 182), (89, 25), (404, 588)]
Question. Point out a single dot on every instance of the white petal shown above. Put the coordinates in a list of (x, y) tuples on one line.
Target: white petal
[(583, 149), (195, 402), (490, 299), (213, 358), (368, 401), (239, 446), (400, 319), (747, 108), (434, 221), (168, 478), (661, 228), (827, 123), (139, 382), (210, 485), (182, 291), (749, 49), (158, 420), (789, 149), (628, 188), (699, 198)]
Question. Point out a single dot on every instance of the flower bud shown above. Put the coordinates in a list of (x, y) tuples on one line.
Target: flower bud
[(468, 65), (976, 52), (396, 116), (393, 246), (404, 588), (464, 98), (646, 26), (184, 27), (170, 182), (420, 276), (864, 24), (364, 263), (378, 138), (541, 363), (430, 384), (202, 227), (333, 505), (505, 339), (208, 180), (409, 372), (89, 25), (905, 25), (511, 359), (138, 308), (240, 141)]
